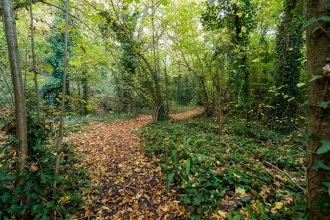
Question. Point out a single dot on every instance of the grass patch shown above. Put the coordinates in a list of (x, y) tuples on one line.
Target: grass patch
[(229, 174)]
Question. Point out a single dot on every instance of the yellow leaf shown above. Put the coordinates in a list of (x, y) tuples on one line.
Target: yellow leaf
[(104, 207), (236, 176), (239, 14), (233, 1), (64, 199), (222, 213), (278, 205), (240, 191)]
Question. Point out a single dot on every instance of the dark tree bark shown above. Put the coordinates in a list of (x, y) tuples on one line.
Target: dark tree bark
[(318, 50), (19, 93)]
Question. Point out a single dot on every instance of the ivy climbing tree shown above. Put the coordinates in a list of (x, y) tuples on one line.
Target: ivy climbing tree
[(238, 19), (121, 25), (289, 44)]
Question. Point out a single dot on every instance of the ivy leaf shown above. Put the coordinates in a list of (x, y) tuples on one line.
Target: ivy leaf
[(327, 184), (197, 201), (324, 148), (323, 104), (320, 164), (310, 21), (315, 78), (5, 197)]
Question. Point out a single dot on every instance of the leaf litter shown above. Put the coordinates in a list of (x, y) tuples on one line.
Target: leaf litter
[(126, 183)]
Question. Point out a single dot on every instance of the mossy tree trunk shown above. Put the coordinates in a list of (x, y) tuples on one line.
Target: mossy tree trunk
[(318, 50), (289, 43)]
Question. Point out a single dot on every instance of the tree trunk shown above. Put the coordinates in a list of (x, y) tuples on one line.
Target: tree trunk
[(85, 93), (318, 51), (64, 89), (289, 42), (19, 93)]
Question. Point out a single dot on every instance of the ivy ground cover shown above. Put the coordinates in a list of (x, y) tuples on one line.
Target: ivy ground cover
[(244, 173)]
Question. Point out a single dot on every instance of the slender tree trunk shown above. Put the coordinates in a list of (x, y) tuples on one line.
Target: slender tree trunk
[(318, 50), (34, 63), (64, 89), (85, 93), (19, 93)]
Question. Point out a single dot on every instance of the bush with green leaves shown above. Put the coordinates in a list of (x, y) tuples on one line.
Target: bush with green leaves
[(37, 199)]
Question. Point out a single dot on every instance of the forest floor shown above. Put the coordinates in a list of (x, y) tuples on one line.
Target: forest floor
[(129, 185)]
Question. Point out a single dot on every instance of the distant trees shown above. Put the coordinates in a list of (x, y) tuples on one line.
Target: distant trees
[(138, 60), (52, 88), (238, 19)]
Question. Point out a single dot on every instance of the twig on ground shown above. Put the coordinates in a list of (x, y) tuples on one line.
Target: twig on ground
[(285, 173)]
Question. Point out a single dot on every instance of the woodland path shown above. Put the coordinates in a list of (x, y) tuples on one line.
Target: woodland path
[(130, 185)]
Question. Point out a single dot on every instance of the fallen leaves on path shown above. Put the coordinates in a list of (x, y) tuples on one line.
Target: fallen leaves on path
[(129, 184)]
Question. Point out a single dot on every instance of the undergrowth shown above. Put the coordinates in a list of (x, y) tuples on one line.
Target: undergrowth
[(37, 199), (245, 172)]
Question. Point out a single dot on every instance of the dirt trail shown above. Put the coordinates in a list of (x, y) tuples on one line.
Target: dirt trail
[(131, 186)]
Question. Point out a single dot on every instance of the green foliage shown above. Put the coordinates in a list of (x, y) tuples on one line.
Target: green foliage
[(204, 166), (238, 19), (53, 86), (40, 200)]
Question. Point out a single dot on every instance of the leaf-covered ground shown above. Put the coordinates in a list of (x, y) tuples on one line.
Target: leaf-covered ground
[(244, 173), (126, 183)]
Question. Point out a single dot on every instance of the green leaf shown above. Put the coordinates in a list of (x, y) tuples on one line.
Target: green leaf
[(197, 201), (324, 18), (169, 181), (323, 104), (5, 197), (137, 1), (315, 78), (310, 21), (165, 2), (320, 164), (327, 184), (325, 147), (188, 165), (129, 1), (300, 84), (297, 8)]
